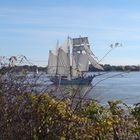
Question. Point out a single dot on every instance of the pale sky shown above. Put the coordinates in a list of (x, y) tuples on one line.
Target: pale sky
[(32, 27)]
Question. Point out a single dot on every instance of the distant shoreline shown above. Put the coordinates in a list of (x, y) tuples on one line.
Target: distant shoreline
[(107, 68)]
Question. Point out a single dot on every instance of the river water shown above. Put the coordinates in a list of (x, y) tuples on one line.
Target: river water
[(112, 85), (122, 86)]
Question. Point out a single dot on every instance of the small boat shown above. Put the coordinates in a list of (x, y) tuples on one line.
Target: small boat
[(68, 63)]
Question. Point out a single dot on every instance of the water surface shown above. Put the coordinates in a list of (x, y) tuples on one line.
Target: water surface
[(125, 86), (122, 86)]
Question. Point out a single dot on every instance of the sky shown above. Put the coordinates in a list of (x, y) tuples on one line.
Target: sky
[(32, 27)]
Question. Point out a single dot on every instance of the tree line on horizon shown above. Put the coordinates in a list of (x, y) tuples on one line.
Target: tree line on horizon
[(107, 67)]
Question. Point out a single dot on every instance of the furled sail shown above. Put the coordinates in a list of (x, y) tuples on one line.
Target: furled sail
[(52, 63)]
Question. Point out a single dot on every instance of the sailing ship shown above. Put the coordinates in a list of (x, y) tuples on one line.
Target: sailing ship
[(68, 63)]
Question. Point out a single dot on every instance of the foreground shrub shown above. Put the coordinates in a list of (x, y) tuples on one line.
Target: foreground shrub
[(39, 116)]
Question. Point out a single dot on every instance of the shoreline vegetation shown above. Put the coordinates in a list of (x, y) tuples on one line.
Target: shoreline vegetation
[(107, 68), (61, 113), (28, 114), (42, 116)]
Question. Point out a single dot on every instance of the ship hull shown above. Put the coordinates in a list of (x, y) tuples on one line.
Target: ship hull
[(76, 81)]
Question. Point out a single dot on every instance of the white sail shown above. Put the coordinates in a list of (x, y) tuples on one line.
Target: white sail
[(63, 64), (65, 46), (90, 57), (83, 63), (87, 50), (74, 66), (95, 63), (52, 63), (80, 63), (59, 60)]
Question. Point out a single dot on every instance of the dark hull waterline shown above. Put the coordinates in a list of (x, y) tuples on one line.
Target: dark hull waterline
[(76, 81)]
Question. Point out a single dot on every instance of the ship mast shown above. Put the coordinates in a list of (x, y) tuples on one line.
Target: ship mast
[(57, 47), (69, 55)]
